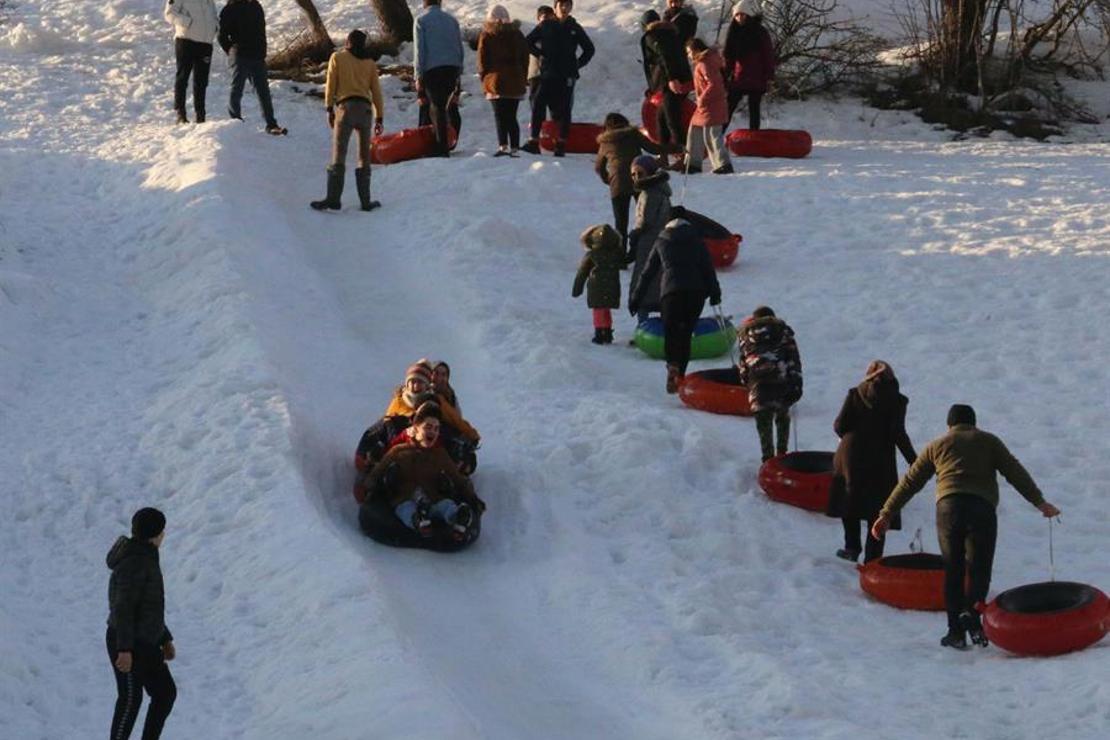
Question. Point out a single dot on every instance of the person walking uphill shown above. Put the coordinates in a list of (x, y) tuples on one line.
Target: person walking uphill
[(688, 278), (556, 42), (749, 59), (871, 424), (667, 71), (194, 29), (965, 461), (600, 274), (653, 211), (771, 369), (503, 68), (139, 643), (437, 60), (351, 88), (243, 38), (617, 147), (711, 114)]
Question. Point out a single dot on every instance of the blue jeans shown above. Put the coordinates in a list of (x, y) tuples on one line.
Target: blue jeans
[(444, 511), (243, 69)]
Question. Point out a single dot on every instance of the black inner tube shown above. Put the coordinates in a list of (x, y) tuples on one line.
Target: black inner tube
[(724, 375), (914, 561), (1042, 598), (808, 462)]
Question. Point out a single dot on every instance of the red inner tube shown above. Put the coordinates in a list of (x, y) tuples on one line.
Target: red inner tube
[(582, 138), (717, 391), (1048, 618), (410, 143), (649, 112), (912, 581), (769, 142), (800, 479), (723, 251)]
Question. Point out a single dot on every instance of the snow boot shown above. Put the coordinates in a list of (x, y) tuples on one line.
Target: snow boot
[(599, 336), (531, 146), (464, 515), (335, 190), (846, 554), (560, 149), (607, 336), (970, 622), (954, 639), (362, 184)]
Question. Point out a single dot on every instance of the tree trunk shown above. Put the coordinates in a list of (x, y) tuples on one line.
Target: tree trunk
[(312, 16), (395, 19), (962, 28)]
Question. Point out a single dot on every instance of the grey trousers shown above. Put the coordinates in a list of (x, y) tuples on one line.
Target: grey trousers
[(712, 138), (352, 115)]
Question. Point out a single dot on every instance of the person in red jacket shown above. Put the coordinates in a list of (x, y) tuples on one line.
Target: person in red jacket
[(749, 59), (711, 113)]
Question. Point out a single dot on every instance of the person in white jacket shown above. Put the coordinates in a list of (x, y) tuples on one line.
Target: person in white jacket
[(195, 24)]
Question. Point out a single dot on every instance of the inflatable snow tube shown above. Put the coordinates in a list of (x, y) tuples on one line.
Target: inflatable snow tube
[(1048, 618), (380, 524), (649, 111), (715, 391), (723, 251), (769, 142), (709, 339), (411, 143), (582, 138), (913, 581), (800, 479)]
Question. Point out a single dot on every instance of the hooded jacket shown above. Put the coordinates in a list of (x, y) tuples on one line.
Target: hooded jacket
[(653, 211), (243, 29), (136, 595), (195, 20), (679, 254), (710, 93), (503, 61), (616, 148), (770, 366), (556, 43), (663, 54), (600, 270)]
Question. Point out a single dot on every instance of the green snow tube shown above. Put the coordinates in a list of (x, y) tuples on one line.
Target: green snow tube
[(709, 340)]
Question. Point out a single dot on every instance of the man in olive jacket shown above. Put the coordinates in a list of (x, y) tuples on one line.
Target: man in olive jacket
[(139, 643), (965, 461)]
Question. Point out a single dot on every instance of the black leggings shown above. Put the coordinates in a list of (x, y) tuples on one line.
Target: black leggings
[(504, 115), (754, 98), (150, 672), (681, 310), (967, 528)]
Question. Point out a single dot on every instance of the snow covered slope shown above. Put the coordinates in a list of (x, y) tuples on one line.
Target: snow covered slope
[(177, 328)]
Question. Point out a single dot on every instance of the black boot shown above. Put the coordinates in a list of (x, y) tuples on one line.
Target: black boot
[(362, 183), (970, 621), (201, 117), (954, 639), (599, 336), (181, 117), (335, 190), (607, 336), (560, 149)]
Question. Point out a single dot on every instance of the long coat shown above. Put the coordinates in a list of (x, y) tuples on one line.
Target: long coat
[(616, 149), (749, 57), (503, 61), (653, 211), (871, 424), (600, 270)]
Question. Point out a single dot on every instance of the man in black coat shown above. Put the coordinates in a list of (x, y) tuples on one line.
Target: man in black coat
[(688, 279), (243, 38), (684, 17), (667, 70), (556, 42), (139, 643)]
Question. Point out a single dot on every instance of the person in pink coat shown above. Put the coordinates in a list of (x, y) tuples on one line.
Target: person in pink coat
[(707, 127)]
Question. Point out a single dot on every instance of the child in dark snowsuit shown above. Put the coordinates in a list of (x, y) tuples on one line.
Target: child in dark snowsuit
[(616, 148), (599, 273), (771, 369)]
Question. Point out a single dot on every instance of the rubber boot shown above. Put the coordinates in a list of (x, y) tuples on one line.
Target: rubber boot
[(599, 336), (362, 183), (335, 190)]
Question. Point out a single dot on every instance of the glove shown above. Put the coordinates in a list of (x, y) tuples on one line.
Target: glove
[(331, 117), (379, 126)]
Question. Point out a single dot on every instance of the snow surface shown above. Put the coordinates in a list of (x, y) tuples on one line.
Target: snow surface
[(178, 329)]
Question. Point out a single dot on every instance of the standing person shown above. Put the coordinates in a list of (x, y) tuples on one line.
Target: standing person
[(139, 643), (684, 17), (653, 211), (556, 43), (617, 147), (749, 59), (871, 424), (194, 28), (771, 369), (600, 274), (965, 461), (688, 278), (351, 88), (503, 68), (543, 13), (668, 71), (708, 123), (243, 38), (437, 60)]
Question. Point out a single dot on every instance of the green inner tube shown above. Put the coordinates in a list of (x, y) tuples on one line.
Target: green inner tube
[(703, 346)]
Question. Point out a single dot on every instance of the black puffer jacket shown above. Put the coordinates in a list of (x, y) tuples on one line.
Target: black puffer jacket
[(243, 28), (556, 43), (664, 57), (136, 595), (680, 254), (770, 365)]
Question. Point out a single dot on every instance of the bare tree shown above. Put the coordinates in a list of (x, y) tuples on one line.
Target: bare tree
[(311, 45), (395, 19)]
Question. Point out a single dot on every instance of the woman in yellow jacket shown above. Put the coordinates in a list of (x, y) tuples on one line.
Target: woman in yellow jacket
[(352, 86)]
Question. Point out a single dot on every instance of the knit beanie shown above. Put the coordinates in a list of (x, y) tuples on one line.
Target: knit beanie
[(748, 7), (497, 13), (647, 163), (763, 312), (419, 371), (147, 523), (961, 413)]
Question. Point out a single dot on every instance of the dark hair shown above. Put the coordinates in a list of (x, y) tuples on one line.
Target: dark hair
[(428, 410), (615, 120), (544, 10), (763, 312), (440, 364), (961, 413), (696, 45), (147, 523)]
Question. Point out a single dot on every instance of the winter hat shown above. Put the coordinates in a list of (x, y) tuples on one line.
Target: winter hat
[(961, 413), (748, 7), (763, 312), (649, 17), (647, 163), (497, 13), (147, 523), (419, 371), (427, 410), (599, 235), (878, 369)]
